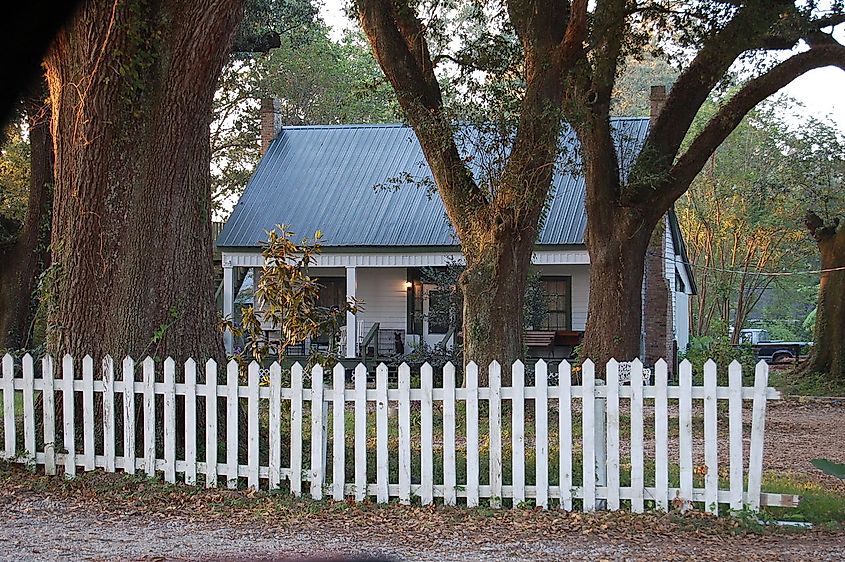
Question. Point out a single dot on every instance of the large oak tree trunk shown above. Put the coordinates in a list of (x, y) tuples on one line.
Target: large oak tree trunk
[(828, 352), (27, 258), (493, 287), (132, 85), (617, 241)]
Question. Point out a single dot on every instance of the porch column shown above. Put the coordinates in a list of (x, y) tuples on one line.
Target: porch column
[(351, 325), (228, 299)]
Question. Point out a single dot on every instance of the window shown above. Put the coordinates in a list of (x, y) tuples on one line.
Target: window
[(558, 291), (439, 305), (332, 292)]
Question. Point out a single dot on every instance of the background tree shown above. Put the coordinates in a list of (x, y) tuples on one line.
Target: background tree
[(739, 220), (26, 183), (821, 157), (318, 81), (562, 59), (131, 86)]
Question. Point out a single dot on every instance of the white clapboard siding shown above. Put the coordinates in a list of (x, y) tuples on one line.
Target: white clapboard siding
[(263, 399)]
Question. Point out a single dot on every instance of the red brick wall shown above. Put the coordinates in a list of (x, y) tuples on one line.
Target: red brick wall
[(270, 122)]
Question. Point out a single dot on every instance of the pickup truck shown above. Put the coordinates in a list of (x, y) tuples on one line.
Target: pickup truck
[(771, 351)]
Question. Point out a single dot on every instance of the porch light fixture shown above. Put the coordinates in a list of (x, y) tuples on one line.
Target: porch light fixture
[(408, 284)]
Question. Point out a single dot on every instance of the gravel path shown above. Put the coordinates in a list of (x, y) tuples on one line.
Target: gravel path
[(40, 528)]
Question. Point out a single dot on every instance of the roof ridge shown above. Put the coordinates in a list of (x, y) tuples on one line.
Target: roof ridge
[(401, 125)]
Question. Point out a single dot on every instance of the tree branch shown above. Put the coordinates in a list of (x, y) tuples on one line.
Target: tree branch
[(732, 113)]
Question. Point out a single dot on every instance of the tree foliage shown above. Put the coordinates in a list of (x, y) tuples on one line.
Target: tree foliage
[(317, 80)]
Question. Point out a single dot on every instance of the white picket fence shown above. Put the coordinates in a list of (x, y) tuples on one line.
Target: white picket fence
[(172, 448)]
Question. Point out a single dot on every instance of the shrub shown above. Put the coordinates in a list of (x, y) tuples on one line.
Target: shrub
[(720, 350)]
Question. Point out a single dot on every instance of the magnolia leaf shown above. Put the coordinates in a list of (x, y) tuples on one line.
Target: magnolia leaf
[(829, 467)]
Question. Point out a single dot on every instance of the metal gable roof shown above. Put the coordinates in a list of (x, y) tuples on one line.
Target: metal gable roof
[(325, 177)]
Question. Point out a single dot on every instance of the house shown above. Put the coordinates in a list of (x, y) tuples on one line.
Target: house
[(378, 240)]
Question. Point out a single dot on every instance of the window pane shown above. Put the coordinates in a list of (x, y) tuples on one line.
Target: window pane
[(438, 312)]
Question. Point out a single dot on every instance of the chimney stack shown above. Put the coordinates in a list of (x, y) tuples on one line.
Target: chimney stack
[(271, 122), (657, 99)]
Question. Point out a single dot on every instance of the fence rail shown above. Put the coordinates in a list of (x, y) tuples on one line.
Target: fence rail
[(341, 439)]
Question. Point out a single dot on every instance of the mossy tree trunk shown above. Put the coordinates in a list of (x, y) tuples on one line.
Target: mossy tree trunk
[(131, 85), (827, 355)]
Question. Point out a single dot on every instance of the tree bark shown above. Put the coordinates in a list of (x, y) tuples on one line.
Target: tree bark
[(28, 257), (827, 355), (493, 287), (132, 85), (617, 239)]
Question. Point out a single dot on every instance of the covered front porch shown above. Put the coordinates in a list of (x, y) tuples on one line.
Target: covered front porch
[(401, 310)]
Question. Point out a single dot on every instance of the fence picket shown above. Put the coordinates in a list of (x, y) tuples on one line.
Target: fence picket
[(88, 412), (49, 409), (274, 455), (661, 434), (426, 436), (317, 456), (565, 431), (711, 434), (68, 415), (637, 468), (541, 434), (588, 437), (382, 461), (735, 432), (339, 433), (211, 453), (518, 431), (128, 415), (149, 417), (404, 434), (108, 413), (252, 426), (361, 432), (28, 405), (232, 424), (612, 379), (9, 407), (169, 420), (449, 476), (296, 430), (472, 434), (495, 433), (685, 433), (758, 425), (190, 421)]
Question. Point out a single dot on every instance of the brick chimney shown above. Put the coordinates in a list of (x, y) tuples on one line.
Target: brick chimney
[(271, 122), (658, 320), (657, 99)]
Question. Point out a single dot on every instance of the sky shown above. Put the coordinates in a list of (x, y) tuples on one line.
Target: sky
[(821, 91)]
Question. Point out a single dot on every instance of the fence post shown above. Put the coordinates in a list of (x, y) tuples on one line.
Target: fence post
[(565, 430), (9, 406), (588, 434), (317, 430), (49, 407), (612, 479), (758, 425)]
